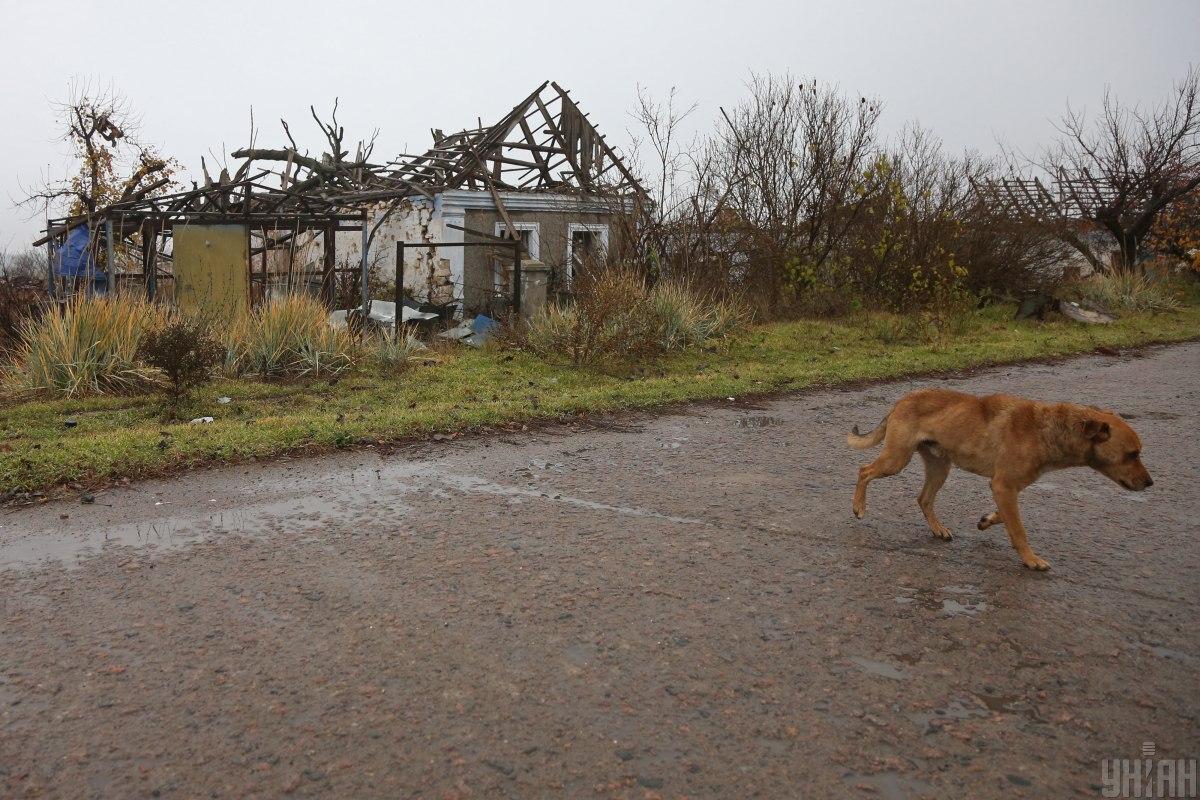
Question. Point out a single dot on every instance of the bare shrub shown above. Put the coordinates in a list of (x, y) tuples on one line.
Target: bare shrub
[(768, 195), (796, 157), (617, 317), (608, 319), (184, 350), (793, 202)]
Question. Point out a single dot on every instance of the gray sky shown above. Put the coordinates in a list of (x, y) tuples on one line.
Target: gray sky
[(973, 72)]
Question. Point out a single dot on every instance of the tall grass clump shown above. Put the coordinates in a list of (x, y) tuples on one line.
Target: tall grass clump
[(689, 317), (1126, 291), (392, 350), (616, 317), (91, 347), (289, 338)]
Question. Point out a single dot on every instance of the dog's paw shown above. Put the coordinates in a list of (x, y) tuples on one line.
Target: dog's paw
[(988, 520), (1035, 563), (942, 532), (859, 511)]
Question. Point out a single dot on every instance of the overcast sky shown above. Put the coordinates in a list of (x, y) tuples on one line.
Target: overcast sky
[(974, 72)]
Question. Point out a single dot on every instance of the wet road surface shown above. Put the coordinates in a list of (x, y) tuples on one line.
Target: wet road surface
[(671, 606)]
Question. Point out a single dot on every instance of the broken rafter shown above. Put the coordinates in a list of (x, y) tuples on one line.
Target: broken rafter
[(544, 142)]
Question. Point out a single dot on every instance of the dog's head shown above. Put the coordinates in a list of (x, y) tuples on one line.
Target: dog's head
[(1115, 450)]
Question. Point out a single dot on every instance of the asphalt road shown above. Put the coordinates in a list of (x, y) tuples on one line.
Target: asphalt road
[(649, 606)]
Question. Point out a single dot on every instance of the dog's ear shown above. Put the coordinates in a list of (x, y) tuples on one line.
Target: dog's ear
[(1096, 430)]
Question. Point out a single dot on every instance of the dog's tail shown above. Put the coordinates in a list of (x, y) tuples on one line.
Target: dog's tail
[(862, 441)]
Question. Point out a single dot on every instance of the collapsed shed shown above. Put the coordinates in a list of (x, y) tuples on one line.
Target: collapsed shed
[(451, 227)]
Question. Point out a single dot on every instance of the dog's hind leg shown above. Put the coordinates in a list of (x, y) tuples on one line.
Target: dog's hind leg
[(937, 467), (988, 520), (1006, 504), (893, 459)]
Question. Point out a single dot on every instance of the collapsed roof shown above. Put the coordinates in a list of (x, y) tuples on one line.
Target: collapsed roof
[(544, 144)]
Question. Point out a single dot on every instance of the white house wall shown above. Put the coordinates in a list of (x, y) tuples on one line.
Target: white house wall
[(438, 274)]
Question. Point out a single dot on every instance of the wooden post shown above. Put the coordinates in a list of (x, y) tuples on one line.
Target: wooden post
[(266, 278), (327, 287), (148, 268), (249, 268), (517, 278), (364, 284), (50, 256), (109, 256), (399, 284)]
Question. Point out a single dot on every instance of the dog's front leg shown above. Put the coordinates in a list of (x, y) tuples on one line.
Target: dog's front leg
[(1005, 494)]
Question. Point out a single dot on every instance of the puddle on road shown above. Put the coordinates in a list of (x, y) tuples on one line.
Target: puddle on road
[(759, 422), (1174, 655), (377, 501), (889, 785), (299, 514), (998, 703), (954, 711), (953, 608), (879, 668), (934, 600), (471, 484), (1010, 704)]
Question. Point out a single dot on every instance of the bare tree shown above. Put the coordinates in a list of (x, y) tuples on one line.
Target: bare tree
[(1123, 170), (682, 229), (27, 263), (795, 156), (112, 163)]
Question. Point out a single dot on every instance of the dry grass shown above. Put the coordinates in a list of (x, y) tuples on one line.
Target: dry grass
[(89, 348), (616, 317), (391, 351), (1127, 291), (289, 338)]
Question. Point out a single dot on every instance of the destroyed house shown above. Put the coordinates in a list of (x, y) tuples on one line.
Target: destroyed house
[(540, 190), (542, 173)]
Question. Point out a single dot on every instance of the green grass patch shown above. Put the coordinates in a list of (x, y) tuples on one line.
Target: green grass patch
[(123, 436)]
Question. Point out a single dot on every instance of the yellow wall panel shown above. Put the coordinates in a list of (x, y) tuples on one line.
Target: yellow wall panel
[(211, 273)]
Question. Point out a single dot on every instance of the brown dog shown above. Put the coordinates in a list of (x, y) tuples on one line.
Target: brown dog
[(1009, 439)]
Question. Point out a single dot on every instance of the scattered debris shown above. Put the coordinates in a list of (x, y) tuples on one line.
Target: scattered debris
[(1079, 314), (71, 423), (201, 421), (473, 332), (383, 312), (224, 400), (87, 498)]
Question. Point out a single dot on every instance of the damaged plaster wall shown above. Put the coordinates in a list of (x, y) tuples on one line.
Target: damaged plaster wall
[(427, 271)]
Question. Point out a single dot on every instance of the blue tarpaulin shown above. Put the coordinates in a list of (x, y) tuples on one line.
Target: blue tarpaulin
[(75, 259)]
